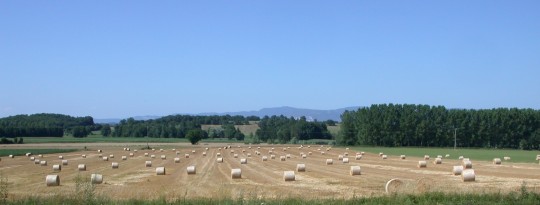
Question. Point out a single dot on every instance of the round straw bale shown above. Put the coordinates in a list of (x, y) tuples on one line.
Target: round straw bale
[(497, 161), (43, 163), (507, 158), (114, 165), (460, 157), (272, 156), (329, 162), (32, 158), (289, 176), (466, 159), (52, 180), (264, 158), (60, 157), (40, 155), (384, 156), (304, 156), (81, 167), (358, 157), (437, 161), (131, 154), (124, 157), (134, 150), (56, 167), (355, 170), (124, 149), (345, 160), (127, 149), (36, 161), (393, 185), (152, 156), (148, 164), (402, 157), (28, 154), (204, 154), (146, 154), (193, 151), (177, 152), (439, 156), (300, 167), (191, 170), (340, 157), (11, 156), (219, 159), (380, 154), (163, 157), (99, 151), (83, 156), (218, 154), (243, 151), (322, 153), (160, 150), (468, 175), (248, 154), (288, 156), (160, 171), (426, 157), (177, 160), (232, 151), (154, 150), (236, 173), (243, 161), (65, 162), (347, 148), (282, 158), (207, 148), (309, 153), (96, 178), (447, 155), (186, 155), (235, 155), (422, 164), (467, 164), (270, 152), (457, 170), (284, 149), (105, 159)]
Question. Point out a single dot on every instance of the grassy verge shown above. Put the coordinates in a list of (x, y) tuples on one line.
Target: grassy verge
[(19, 152), (427, 198), (474, 154)]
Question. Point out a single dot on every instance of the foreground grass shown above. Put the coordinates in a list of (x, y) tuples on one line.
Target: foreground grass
[(428, 198), (474, 154), (19, 152)]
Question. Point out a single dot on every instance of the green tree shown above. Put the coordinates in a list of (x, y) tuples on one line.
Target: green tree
[(194, 136)]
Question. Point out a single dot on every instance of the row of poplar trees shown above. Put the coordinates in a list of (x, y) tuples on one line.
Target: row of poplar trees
[(423, 125)]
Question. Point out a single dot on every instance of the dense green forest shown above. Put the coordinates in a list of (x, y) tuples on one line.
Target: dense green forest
[(177, 126), (280, 129), (423, 125), (45, 125)]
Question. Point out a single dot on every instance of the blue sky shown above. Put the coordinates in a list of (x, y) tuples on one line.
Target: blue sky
[(128, 58)]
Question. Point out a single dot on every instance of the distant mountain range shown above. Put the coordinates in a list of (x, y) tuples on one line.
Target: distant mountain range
[(310, 114)]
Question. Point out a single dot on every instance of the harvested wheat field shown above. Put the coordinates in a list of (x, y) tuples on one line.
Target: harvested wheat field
[(134, 179)]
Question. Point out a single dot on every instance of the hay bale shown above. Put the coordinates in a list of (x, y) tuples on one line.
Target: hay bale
[(96, 178), (105, 159), (355, 170), (402, 157), (236, 173), (460, 157), (272, 156), (437, 161), (208, 148), (114, 165), (304, 156), (153, 156), (248, 154), (81, 167), (193, 151), (322, 153), (204, 154), (422, 164), (497, 161), (243, 151), (40, 156), (301, 167), (36, 161), (64, 162), (282, 158), (83, 156), (111, 156), (466, 159), (43, 163), (426, 157), (191, 170), (468, 175), (148, 164), (11, 156), (264, 158), (160, 150), (288, 156), (163, 157), (177, 152), (439, 156), (127, 149), (232, 151), (289, 176), (28, 154), (160, 170), (346, 154), (345, 160), (358, 157), (99, 151), (124, 157), (393, 185), (340, 157), (270, 152), (235, 155), (467, 164), (309, 153), (56, 167), (186, 155), (60, 157), (506, 158), (177, 160), (218, 154), (146, 154), (329, 161), (52, 180), (447, 155), (380, 154), (219, 160), (384, 156), (457, 170), (32, 158), (243, 161), (131, 154), (347, 148)]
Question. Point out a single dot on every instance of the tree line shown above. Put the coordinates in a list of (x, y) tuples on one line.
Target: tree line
[(423, 125), (45, 125), (280, 129)]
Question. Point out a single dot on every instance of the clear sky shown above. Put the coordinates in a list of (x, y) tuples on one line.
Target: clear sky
[(128, 58)]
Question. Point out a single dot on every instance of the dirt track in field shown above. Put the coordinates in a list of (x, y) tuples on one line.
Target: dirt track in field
[(259, 178)]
